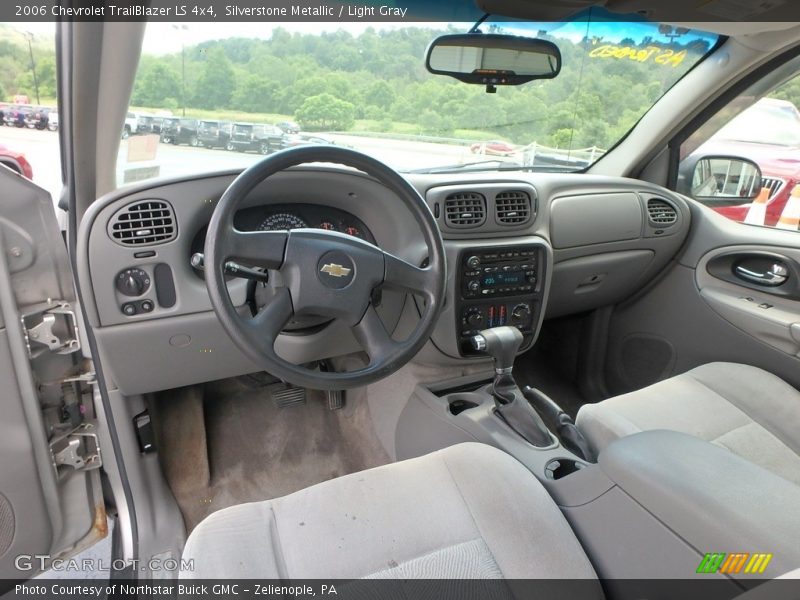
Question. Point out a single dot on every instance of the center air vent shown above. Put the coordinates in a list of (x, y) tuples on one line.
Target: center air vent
[(512, 207), (143, 223), (661, 212), (465, 209)]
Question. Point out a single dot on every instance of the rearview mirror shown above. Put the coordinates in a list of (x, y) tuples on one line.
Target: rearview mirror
[(493, 59), (725, 180)]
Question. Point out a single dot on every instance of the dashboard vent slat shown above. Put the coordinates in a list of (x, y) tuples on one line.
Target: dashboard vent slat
[(512, 207), (661, 213), (464, 210), (143, 223)]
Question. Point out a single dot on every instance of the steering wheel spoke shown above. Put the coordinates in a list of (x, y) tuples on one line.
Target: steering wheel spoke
[(371, 333), (262, 248), (270, 321), (402, 274)]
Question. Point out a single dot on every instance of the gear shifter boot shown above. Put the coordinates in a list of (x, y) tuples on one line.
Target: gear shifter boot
[(520, 417), (502, 343)]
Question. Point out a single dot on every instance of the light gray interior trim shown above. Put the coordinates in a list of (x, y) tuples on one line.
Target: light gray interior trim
[(699, 489)]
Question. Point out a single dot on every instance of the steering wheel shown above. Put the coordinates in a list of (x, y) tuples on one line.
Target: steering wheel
[(325, 273)]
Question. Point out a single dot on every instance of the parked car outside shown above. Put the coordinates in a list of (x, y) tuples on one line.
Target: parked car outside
[(768, 133), (180, 131), (15, 115), (288, 127), (214, 134), (15, 161), (144, 123), (256, 138), (493, 148), (290, 141), (36, 117), (52, 120)]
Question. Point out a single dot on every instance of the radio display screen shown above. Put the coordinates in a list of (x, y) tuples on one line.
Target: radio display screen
[(502, 280)]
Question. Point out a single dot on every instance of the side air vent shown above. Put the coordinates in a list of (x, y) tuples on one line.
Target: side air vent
[(661, 213), (143, 223), (512, 207), (465, 209)]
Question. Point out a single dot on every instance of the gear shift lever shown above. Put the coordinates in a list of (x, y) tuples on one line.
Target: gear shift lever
[(502, 343)]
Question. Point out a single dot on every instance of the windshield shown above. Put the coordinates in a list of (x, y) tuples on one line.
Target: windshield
[(364, 86)]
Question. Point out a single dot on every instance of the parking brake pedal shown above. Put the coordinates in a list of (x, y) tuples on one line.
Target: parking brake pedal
[(285, 395)]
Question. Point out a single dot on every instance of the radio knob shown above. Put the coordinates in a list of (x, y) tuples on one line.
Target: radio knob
[(474, 285), (520, 313), (475, 319), (473, 262)]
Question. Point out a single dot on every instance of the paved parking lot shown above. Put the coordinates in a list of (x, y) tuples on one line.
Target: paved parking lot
[(42, 151)]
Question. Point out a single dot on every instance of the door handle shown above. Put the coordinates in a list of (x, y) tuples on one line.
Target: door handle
[(777, 275)]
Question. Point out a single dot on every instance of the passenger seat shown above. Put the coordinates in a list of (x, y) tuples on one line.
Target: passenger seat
[(742, 408)]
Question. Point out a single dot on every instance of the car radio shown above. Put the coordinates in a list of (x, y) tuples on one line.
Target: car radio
[(498, 286)]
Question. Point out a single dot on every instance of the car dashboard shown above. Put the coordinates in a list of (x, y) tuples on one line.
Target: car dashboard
[(520, 248)]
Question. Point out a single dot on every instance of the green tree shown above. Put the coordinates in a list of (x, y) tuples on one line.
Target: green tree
[(255, 94), (155, 82), (325, 112), (379, 94), (216, 85)]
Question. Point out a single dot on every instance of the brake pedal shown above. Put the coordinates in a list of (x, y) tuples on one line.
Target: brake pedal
[(285, 395)]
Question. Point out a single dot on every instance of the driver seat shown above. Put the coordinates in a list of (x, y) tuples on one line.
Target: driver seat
[(468, 511)]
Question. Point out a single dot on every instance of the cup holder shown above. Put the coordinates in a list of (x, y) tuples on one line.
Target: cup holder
[(558, 468), (458, 403)]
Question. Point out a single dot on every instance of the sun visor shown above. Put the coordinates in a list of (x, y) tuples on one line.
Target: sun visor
[(726, 17), (536, 10)]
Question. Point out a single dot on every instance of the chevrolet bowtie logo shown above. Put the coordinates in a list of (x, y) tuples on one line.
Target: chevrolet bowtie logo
[(335, 270)]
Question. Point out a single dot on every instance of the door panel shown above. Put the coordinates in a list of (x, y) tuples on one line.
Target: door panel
[(50, 496), (769, 312), (695, 315)]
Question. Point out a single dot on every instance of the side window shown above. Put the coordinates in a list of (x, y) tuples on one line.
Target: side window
[(762, 128)]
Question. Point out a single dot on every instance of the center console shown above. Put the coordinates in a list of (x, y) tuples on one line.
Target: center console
[(499, 286)]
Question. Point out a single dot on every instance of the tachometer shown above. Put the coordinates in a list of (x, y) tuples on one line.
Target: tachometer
[(327, 226), (282, 222)]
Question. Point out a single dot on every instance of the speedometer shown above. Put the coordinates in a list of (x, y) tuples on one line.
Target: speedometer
[(281, 222)]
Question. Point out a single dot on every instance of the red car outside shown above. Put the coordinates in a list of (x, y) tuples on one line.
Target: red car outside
[(494, 148), (768, 133), (15, 161)]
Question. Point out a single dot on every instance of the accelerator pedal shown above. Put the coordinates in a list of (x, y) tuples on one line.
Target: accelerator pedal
[(335, 399), (285, 395)]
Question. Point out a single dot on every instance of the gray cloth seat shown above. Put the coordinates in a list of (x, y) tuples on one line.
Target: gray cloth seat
[(468, 511), (742, 408)]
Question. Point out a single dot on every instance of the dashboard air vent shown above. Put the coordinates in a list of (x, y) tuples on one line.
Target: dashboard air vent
[(661, 213), (512, 207), (143, 223), (465, 209)]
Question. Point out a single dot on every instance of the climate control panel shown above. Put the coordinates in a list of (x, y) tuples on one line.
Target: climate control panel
[(498, 286)]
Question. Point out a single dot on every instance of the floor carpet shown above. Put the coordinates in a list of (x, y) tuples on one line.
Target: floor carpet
[(226, 442)]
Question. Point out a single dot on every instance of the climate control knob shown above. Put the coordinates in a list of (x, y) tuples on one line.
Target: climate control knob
[(133, 282), (475, 319), (520, 314)]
